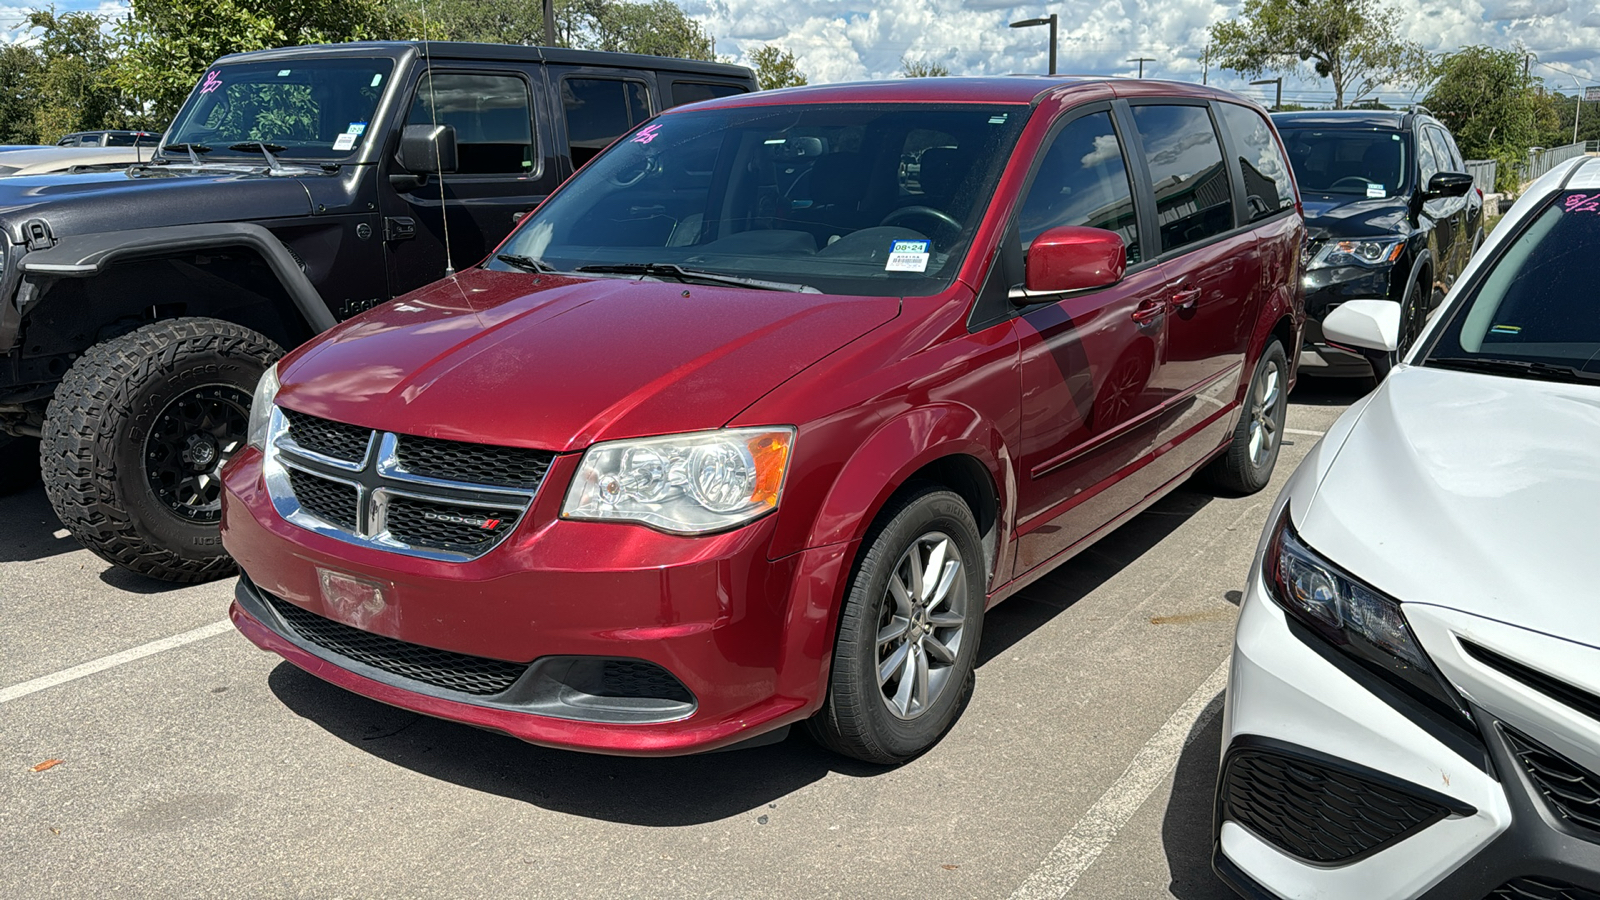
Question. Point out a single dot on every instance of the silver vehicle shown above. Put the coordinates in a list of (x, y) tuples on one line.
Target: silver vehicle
[(58, 160)]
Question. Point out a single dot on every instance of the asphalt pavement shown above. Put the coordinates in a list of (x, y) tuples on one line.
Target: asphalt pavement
[(193, 765)]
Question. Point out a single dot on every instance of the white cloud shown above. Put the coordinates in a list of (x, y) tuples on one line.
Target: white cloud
[(845, 40)]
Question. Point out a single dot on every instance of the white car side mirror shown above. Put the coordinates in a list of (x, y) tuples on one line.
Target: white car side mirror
[(1364, 325)]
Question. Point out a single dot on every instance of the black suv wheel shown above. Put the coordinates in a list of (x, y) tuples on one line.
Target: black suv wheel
[(136, 436)]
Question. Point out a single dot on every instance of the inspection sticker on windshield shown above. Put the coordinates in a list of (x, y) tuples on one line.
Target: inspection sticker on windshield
[(356, 128), (345, 141), (908, 256), (1374, 190)]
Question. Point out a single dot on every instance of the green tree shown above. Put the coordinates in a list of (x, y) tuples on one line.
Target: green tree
[(657, 28), (1351, 42), (913, 68), (167, 44), (775, 68), (70, 91), (1493, 107)]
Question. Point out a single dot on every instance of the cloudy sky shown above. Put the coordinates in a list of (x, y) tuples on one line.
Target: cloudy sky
[(843, 40)]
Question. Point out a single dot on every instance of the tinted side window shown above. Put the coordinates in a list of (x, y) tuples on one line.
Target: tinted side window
[(1441, 151), (492, 115), (1266, 175), (600, 109), (1082, 181), (1193, 198), (1427, 160), (695, 91)]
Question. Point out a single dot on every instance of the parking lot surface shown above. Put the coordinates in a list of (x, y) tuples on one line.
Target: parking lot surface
[(191, 764)]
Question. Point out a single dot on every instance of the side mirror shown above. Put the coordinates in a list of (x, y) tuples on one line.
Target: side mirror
[(428, 149), (1448, 184), (1371, 326), (1074, 258)]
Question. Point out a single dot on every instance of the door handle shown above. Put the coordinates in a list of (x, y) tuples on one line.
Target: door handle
[(1185, 299), (1148, 309)]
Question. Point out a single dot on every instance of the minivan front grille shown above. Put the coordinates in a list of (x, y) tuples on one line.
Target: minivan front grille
[(331, 439), (513, 467)]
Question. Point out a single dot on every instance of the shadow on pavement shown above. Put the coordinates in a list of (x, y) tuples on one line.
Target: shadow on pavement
[(133, 583), (684, 790), (28, 527), (1310, 390), (1186, 830), (1038, 603)]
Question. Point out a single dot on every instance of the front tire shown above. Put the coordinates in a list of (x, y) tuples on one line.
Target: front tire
[(136, 435), (908, 634), (1246, 466)]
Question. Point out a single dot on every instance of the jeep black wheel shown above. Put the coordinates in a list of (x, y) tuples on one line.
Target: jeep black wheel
[(908, 634), (135, 439)]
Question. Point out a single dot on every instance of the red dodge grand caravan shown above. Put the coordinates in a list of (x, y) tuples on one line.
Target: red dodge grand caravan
[(751, 420)]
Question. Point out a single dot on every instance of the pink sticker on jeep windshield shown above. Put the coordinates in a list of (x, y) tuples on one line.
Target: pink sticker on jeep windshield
[(646, 134), (212, 82), (1589, 203)]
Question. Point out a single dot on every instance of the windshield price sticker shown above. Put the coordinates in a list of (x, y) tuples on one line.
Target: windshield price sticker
[(345, 141), (908, 256)]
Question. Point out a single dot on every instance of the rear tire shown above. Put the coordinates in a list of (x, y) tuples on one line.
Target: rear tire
[(923, 631), (136, 434), (1246, 466)]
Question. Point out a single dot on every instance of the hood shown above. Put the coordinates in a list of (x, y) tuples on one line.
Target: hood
[(1472, 492), (559, 363), (108, 201), (1348, 216)]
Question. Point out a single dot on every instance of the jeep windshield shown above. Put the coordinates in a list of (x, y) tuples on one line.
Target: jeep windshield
[(1361, 161), (315, 109), (865, 199)]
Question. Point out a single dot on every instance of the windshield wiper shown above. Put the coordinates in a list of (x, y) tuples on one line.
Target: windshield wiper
[(674, 272), (266, 150), (191, 149), (1516, 368), (526, 263)]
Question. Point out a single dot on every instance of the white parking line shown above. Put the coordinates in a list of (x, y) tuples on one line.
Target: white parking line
[(112, 661), (1302, 431), (1061, 870)]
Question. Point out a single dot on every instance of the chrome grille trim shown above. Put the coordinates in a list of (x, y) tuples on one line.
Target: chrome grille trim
[(377, 478)]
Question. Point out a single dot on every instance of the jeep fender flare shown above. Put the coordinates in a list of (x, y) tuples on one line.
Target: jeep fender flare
[(88, 255)]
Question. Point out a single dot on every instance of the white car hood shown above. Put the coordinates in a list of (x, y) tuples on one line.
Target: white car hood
[(1473, 492)]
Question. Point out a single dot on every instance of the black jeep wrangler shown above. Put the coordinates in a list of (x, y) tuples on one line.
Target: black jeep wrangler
[(294, 189)]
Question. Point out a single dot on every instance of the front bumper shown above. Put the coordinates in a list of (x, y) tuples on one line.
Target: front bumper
[(1367, 795), (1325, 289), (552, 608)]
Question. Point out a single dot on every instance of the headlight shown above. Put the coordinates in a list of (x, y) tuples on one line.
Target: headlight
[(1355, 618), (683, 483), (261, 407), (1370, 253)]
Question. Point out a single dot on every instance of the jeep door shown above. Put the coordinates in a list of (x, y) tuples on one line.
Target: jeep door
[(600, 105), (504, 169), (1089, 358)]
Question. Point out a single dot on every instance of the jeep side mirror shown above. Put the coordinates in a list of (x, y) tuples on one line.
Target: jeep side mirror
[(428, 149), (1448, 184), (1075, 258)]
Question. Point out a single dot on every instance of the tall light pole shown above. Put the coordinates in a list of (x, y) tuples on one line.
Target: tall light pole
[(1278, 103), (1051, 21), (1141, 60)]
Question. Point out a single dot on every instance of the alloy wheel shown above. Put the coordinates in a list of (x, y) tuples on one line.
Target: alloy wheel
[(1264, 400), (194, 436), (922, 625)]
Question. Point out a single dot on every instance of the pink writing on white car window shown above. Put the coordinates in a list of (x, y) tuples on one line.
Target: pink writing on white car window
[(646, 134)]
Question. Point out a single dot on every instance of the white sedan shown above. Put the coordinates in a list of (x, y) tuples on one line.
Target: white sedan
[(1414, 707)]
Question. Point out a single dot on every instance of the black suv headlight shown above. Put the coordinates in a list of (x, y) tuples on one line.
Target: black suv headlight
[(1371, 253), (1357, 619)]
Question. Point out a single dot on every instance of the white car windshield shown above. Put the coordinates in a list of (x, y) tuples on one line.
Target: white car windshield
[(1535, 310), (863, 199)]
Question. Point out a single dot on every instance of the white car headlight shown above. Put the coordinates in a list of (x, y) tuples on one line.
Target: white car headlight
[(683, 483), (1369, 253), (261, 407)]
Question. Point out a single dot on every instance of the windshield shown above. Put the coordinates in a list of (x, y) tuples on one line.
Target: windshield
[(863, 199), (303, 109), (1538, 302), (1365, 162)]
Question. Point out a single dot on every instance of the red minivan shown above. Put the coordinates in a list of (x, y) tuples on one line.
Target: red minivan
[(751, 420)]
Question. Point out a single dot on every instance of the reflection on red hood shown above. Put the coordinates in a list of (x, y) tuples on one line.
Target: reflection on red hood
[(559, 363)]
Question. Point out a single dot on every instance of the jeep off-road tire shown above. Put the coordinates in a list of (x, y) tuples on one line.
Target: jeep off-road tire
[(133, 438), (934, 623)]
